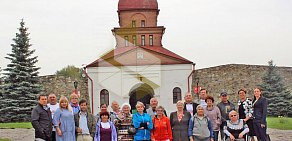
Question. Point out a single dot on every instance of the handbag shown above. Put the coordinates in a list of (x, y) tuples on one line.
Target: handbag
[(132, 130)]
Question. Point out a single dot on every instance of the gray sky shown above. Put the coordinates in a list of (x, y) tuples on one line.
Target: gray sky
[(207, 32)]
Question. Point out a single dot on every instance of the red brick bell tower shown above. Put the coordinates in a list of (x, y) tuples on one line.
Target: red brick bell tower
[(138, 38), (138, 24)]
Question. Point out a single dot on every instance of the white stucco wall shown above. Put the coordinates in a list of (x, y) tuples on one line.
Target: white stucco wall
[(119, 81)]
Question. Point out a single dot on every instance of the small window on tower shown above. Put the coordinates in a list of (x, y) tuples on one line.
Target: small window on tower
[(143, 23), (143, 40), (134, 40), (126, 41), (151, 40), (133, 23)]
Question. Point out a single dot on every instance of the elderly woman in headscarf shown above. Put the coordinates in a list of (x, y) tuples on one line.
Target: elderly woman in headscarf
[(124, 123)]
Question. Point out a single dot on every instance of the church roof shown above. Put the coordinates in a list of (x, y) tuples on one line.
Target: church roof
[(160, 54), (137, 4)]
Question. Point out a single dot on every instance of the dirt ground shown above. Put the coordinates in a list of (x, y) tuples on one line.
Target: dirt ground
[(28, 134)]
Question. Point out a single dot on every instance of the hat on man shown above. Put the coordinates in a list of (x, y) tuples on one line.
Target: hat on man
[(223, 94)]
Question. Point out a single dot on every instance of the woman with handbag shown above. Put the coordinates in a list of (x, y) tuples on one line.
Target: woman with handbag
[(124, 125)]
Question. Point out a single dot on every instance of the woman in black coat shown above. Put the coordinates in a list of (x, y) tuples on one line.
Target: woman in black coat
[(260, 104)]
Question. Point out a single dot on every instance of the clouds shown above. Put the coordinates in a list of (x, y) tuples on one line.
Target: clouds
[(207, 32)]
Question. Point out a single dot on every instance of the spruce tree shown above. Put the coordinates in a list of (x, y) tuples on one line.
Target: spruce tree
[(1, 83), (279, 98), (21, 83)]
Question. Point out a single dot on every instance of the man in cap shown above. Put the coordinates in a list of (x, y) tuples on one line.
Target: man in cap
[(225, 107)]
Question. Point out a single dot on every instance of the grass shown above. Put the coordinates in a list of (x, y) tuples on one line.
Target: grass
[(1, 139), (26, 125), (282, 123), (273, 122)]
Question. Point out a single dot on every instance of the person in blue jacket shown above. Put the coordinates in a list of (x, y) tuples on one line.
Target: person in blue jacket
[(143, 123)]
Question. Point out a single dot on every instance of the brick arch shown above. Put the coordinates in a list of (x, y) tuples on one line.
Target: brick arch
[(138, 17), (139, 14)]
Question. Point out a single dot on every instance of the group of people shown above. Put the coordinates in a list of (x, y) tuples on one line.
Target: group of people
[(63, 121), (202, 121)]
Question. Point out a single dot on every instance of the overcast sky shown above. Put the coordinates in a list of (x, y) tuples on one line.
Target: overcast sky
[(207, 32)]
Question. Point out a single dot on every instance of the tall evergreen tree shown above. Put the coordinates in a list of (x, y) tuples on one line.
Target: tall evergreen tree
[(21, 79), (279, 98), (1, 83)]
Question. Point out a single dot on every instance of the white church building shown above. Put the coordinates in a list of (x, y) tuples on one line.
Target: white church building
[(139, 67)]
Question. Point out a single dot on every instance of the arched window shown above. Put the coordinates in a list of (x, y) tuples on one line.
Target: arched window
[(176, 94), (104, 97)]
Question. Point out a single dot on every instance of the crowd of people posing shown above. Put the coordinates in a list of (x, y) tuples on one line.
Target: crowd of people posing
[(202, 121)]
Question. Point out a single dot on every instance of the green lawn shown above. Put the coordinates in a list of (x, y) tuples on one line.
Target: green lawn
[(15, 125), (1, 139), (273, 122), (280, 123)]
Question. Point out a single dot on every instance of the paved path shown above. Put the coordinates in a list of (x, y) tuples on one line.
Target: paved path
[(28, 134), (17, 134), (280, 135)]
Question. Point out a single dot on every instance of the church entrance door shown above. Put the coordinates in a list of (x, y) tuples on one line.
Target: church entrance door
[(140, 92)]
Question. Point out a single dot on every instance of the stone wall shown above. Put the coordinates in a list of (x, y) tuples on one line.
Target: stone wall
[(232, 77), (61, 85)]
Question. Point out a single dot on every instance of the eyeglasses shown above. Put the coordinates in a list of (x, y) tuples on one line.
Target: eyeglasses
[(233, 115)]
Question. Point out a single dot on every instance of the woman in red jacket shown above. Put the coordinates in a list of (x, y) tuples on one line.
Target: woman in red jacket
[(162, 129)]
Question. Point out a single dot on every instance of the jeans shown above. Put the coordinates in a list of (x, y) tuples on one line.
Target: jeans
[(215, 133)]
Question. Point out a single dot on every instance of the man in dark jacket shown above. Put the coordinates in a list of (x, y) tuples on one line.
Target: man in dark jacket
[(41, 120), (225, 107), (84, 123), (189, 105)]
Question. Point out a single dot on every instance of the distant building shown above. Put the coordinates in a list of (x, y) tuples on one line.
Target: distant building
[(139, 67)]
